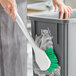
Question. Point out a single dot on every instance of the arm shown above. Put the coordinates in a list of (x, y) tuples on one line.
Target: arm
[(10, 6), (63, 8)]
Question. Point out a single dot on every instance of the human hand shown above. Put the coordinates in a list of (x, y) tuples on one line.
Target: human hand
[(67, 10), (10, 6)]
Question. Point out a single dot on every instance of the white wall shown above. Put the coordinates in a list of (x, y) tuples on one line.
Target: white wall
[(71, 3)]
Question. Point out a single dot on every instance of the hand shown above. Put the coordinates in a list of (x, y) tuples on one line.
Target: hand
[(63, 8), (10, 6)]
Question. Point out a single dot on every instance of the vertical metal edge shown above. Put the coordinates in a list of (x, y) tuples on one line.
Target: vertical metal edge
[(33, 35), (66, 49), (63, 50)]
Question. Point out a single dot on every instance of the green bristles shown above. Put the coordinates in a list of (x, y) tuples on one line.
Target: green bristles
[(54, 61)]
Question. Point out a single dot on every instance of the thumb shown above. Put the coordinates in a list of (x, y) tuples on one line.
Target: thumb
[(56, 8)]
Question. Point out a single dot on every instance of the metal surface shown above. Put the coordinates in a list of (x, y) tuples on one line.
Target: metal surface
[(59, 44), (72, 49), (64, 38)]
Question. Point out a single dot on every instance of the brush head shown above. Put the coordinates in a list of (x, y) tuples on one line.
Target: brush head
[(54, 61)]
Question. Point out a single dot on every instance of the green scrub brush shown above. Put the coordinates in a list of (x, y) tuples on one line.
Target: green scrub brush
[(50, 53), (46, 60)]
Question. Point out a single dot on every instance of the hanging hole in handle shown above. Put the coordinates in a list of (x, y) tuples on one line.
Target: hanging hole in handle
[(57, 33)]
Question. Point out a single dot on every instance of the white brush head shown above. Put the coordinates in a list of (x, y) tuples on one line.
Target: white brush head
[(42, 59)]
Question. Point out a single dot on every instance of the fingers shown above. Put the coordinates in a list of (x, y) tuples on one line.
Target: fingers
[(65, 10), (56, 8), (8, 8), (66, 13), (61, 12), (55, 5), (11, 10), (70, 9), (13, 14)]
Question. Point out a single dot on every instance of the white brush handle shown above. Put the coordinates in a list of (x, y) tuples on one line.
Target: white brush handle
[(25, 31), (41, 58)]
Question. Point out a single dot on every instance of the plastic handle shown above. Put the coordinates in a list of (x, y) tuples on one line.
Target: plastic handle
[(25, 31), (40, 56)]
